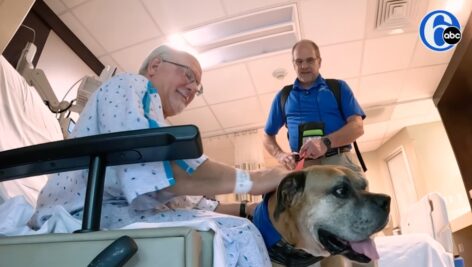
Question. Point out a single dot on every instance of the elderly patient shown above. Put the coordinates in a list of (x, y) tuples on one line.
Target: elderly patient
[(168, 82)]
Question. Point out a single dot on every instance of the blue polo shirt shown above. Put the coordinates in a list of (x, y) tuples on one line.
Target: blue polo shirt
[(316, 104)]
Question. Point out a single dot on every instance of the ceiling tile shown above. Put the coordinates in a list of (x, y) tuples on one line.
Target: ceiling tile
[(227, 83), (460, 8), (341, 61), (422, 82), (394, 126), (388, 53), (81, 33), (381, 88), (239, 113), (56, 5), (432, 116), (198, 101), (331, 22), (378, 114), (414, 109), (203, 118), (132, 57), (117, 23), (261, 72), (242, 6), (190, 13), (424, 56)]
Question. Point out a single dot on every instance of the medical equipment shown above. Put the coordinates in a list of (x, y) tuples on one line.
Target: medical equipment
[(36, 78)]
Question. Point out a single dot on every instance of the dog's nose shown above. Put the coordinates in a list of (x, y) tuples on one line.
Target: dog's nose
[(383, 201)]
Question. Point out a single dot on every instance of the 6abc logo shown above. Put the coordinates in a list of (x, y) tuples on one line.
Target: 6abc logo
[(440, 30)]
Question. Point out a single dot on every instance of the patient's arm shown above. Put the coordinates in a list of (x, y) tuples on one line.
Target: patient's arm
[(213, 178)]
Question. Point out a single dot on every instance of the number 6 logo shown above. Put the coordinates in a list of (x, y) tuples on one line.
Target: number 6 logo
[(440, 30)]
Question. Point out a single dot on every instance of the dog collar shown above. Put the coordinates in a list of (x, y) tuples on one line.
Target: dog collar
[(280, 251), (262, 221), (288, 255)]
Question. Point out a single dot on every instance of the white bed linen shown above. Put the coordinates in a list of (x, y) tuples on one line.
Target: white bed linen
[(24, 120), (412, 250), (18, 211)]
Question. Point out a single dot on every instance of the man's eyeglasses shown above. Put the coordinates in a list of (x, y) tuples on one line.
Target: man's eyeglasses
[(309, 61), (189, 75)]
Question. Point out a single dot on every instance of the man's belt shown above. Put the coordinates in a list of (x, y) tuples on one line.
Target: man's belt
[(331, 152), (337, 150)]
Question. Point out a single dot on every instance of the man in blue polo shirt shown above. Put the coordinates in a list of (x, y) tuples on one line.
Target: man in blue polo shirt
[(317, 129)]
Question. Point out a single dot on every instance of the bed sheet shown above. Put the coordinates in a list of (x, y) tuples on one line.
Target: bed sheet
[(412, 250), (25, 120), (236, 241)]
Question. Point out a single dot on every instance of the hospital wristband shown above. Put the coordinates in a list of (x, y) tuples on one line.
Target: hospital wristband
[(243, 182)]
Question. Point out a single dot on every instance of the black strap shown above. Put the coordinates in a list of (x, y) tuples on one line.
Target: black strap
[(333, 85), (283, 99), (242, 209)]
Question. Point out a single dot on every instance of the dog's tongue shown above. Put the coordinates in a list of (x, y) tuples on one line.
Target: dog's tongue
[(366, 247)]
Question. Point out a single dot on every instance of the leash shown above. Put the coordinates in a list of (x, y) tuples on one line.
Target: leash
[(300, 163)]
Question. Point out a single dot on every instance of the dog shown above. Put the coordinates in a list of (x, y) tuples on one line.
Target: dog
[(318, 212)]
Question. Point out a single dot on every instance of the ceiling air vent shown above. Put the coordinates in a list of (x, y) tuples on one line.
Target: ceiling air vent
[(245, 36), (393, 14)]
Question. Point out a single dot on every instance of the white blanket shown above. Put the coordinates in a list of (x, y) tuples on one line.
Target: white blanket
[(24, 120), (412, 250), (226, 245)]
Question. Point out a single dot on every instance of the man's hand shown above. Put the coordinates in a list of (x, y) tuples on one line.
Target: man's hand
[(313, 149), (287, 160)]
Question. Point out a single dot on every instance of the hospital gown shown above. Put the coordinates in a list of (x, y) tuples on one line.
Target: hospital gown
[(132, 193)]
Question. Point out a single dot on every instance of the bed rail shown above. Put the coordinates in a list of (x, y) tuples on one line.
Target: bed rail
[(96, 153)]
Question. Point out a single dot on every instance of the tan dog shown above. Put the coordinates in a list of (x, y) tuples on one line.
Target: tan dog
[(318, 212)]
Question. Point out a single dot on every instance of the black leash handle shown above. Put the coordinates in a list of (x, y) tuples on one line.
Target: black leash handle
[(359, 156)]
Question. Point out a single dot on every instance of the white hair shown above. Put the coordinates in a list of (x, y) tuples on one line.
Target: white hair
[(160, 52)]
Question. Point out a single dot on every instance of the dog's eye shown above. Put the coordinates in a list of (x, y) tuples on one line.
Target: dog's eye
[(341, 191)]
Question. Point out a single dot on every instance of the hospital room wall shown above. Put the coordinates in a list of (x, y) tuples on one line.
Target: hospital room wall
[(432, 165), (63, 68)]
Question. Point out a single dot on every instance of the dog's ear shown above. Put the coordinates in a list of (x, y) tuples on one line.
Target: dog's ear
[(289, 191)]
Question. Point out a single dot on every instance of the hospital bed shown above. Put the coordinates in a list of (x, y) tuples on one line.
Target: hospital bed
[(426, 236), (96, 153), (26, 121)]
